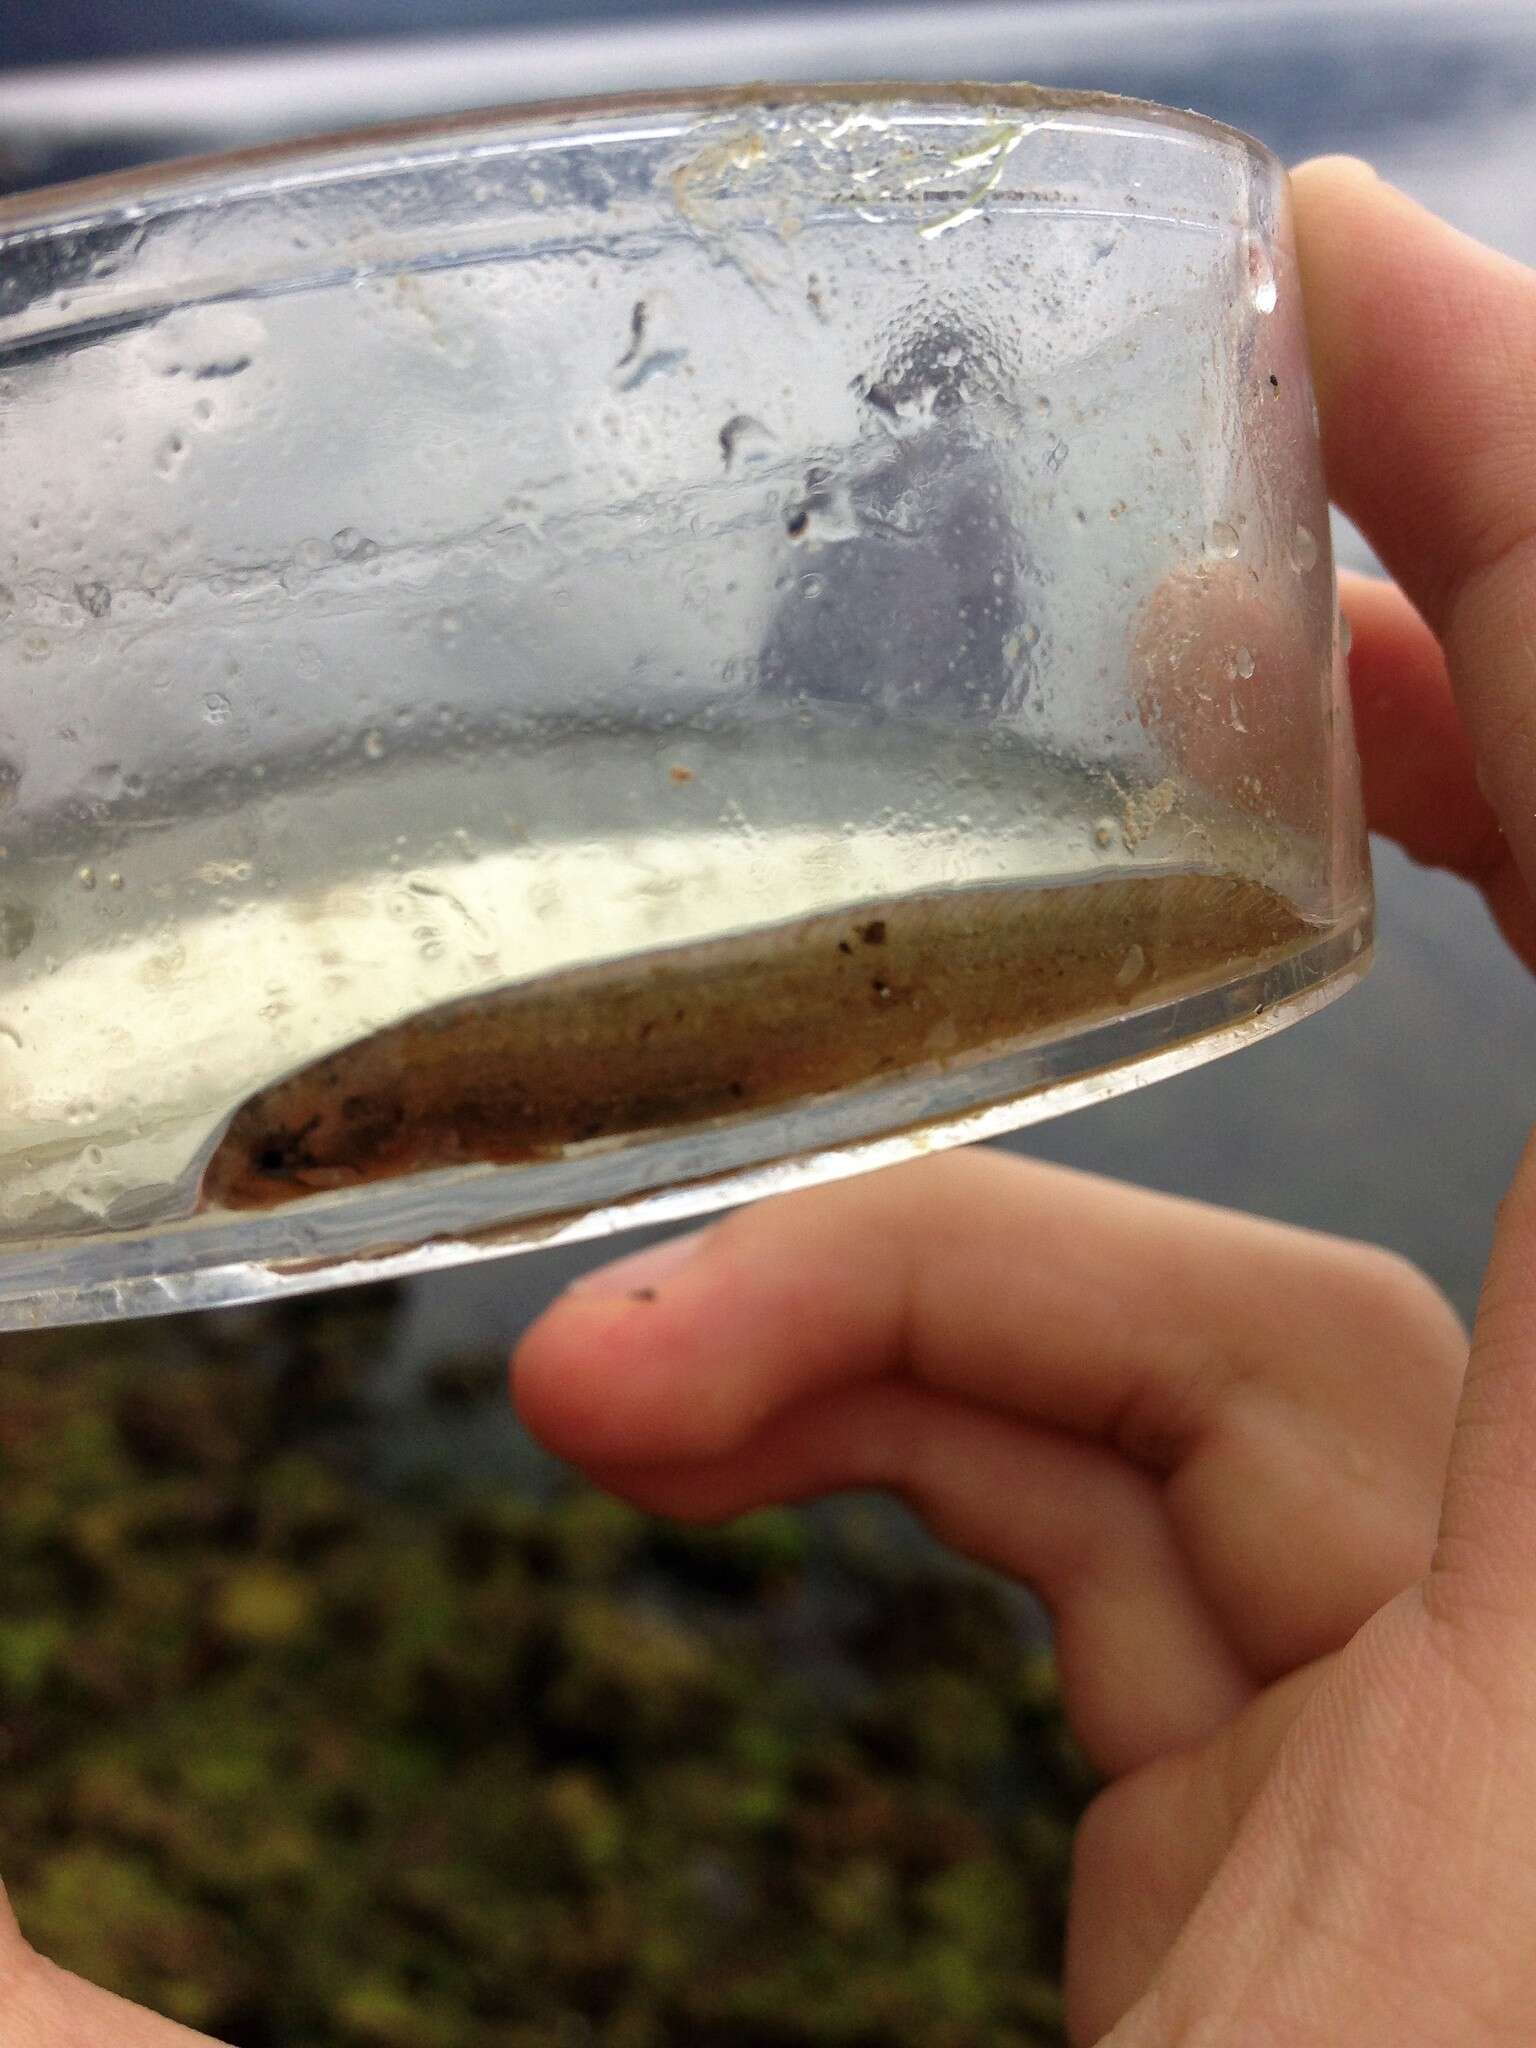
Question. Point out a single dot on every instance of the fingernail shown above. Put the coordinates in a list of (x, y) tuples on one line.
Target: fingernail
[(641, 1273)]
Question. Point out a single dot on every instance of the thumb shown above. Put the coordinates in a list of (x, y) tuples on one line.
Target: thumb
[(1424, 363), (1484, 1573), (1424, 347)]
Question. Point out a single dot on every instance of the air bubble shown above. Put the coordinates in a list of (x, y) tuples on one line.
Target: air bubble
[(1303, 550), (1242, 663), (95, 598), (114, 880), (1104, 832), (1224, 540), (86, 877), (215, 707)]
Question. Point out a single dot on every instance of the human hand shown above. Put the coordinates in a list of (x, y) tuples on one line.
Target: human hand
[(1216, 1446), (42, 2006), (1295, 1611)]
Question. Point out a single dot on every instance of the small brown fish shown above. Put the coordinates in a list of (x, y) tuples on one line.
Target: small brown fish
[(736, 1025)]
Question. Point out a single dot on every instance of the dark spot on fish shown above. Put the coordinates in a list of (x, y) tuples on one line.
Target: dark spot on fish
[(873, 933)]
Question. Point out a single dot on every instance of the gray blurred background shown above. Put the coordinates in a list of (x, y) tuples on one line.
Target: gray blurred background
[(1397, 1115)]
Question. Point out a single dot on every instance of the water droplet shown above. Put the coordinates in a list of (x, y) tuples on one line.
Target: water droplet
[(95, 598), (1242, 663), (1131, 967), (1224, 540), (1030, 634), (373, 744), (353, 545), (1346, 633), (449, 624), (1042, 405), (86, 877), (742, 438), (1104, 832), (1056, 460), (433, 949), (172, 449), (7, 601), (92, 1155), (1303, 550), (80, 1111), (1356, 941), (215, 707), (10, 781), (812, 586), (114, 880)]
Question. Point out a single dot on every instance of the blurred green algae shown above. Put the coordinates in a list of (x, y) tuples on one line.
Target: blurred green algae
[(301, 1758)]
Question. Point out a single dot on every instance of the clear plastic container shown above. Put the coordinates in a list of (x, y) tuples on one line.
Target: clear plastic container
[(568, 667)]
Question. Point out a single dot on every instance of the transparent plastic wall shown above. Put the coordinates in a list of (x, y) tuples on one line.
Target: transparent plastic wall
[(560, 668)]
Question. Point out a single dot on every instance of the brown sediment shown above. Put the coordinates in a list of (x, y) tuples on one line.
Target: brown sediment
[(735, 1025)]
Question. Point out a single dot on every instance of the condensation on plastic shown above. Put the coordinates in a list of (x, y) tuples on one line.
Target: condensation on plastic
[(500, 558)]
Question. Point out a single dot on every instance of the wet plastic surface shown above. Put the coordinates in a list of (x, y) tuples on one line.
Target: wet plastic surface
[(451, 567)]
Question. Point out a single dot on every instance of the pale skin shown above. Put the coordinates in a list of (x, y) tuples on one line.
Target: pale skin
[(1285, 1524)]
